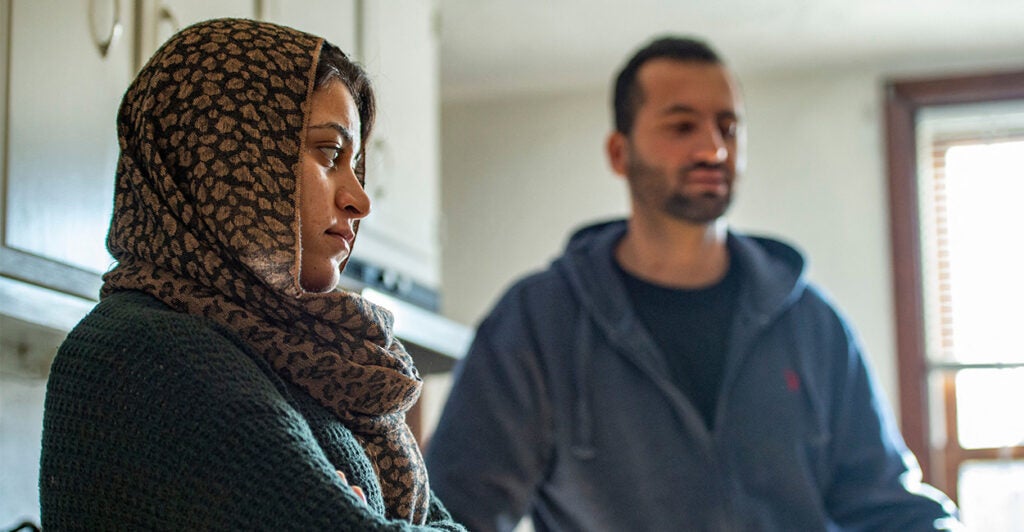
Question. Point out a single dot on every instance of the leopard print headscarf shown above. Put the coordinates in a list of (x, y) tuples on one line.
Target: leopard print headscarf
[(206, 219)]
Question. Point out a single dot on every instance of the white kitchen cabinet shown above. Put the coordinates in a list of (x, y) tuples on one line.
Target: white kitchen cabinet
[(159, 19), (400, 50), (334, 20), (65, 65)]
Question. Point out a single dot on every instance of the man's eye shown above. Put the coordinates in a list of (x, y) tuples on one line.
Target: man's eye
[(729, 129), (683, 127), (332, 153)]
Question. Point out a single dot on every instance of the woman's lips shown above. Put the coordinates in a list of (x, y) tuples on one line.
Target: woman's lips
[(342, 235)]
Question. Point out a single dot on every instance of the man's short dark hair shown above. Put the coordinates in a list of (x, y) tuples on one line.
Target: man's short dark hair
[(628, 94)]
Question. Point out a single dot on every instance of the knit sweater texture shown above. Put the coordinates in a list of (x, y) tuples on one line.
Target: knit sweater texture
[(159, 420)]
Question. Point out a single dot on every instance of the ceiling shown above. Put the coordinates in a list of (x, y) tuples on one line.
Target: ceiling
[(507, 46)]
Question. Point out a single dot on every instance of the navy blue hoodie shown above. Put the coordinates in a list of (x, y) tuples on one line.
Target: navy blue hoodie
[(565, 409)]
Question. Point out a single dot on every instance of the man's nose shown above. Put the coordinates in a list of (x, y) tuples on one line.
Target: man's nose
[(712, 148)]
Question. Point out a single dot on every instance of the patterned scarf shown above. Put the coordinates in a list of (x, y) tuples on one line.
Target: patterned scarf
[(206, 220)]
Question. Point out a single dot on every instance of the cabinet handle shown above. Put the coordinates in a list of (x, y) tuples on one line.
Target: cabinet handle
[(103, 43), (165, 15), (383, 166)]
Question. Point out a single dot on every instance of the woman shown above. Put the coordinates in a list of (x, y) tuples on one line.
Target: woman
[(220, 383)]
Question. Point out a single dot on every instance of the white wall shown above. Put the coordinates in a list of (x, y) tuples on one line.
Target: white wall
[(25, 354), (21, 428), (519, 172), (517, 175)]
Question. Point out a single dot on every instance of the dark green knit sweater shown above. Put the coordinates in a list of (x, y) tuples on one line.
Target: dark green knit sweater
[(158, 420)]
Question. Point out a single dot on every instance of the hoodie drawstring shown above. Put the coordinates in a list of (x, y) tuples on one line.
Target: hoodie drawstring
[(583, 421)]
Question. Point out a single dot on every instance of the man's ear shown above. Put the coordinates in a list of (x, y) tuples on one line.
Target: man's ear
[(617, 149)]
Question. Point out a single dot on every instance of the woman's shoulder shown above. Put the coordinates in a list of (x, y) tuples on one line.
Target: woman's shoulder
[(137, 326), (143, 316), (132, 339)]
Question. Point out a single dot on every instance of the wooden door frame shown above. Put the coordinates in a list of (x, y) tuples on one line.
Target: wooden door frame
[(903, 100)]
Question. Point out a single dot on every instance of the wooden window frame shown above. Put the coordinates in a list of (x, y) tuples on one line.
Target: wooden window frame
[(903, 100)]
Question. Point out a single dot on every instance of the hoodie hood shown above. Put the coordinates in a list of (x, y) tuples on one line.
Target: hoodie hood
[(776, 274)]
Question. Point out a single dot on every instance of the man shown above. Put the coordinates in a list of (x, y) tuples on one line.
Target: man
[(667, 373)]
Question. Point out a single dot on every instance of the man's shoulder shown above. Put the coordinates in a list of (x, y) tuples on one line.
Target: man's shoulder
[(536, 290), (529, 307), (767, 248), (546, 279)]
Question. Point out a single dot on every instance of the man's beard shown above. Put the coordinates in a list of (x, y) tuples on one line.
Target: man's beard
[(648, 184)]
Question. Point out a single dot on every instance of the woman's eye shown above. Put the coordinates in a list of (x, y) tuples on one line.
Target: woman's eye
[(332, 153)]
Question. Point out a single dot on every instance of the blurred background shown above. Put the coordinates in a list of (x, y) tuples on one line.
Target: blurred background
[(885, 140)]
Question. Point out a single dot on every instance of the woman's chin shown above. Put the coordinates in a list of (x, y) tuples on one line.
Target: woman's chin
[(319, 284)]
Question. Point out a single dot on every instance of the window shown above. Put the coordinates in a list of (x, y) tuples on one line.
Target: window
[(956, 168)]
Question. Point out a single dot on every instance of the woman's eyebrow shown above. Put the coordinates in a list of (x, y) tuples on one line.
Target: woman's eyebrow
[(345, 132)]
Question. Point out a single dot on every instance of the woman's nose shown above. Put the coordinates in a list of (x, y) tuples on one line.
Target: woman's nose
[(352, 198)]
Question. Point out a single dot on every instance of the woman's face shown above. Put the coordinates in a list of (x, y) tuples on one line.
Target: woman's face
[(331, 197)]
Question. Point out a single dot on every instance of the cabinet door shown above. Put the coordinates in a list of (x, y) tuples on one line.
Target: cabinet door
[(334, 20), (67, 66), (401, 53), (159, 19)]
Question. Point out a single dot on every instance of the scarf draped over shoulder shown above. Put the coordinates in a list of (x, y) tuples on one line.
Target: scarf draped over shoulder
[(206, 220)]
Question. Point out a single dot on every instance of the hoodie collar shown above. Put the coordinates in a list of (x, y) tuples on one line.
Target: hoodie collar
[(773, 278), (775, 275)]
